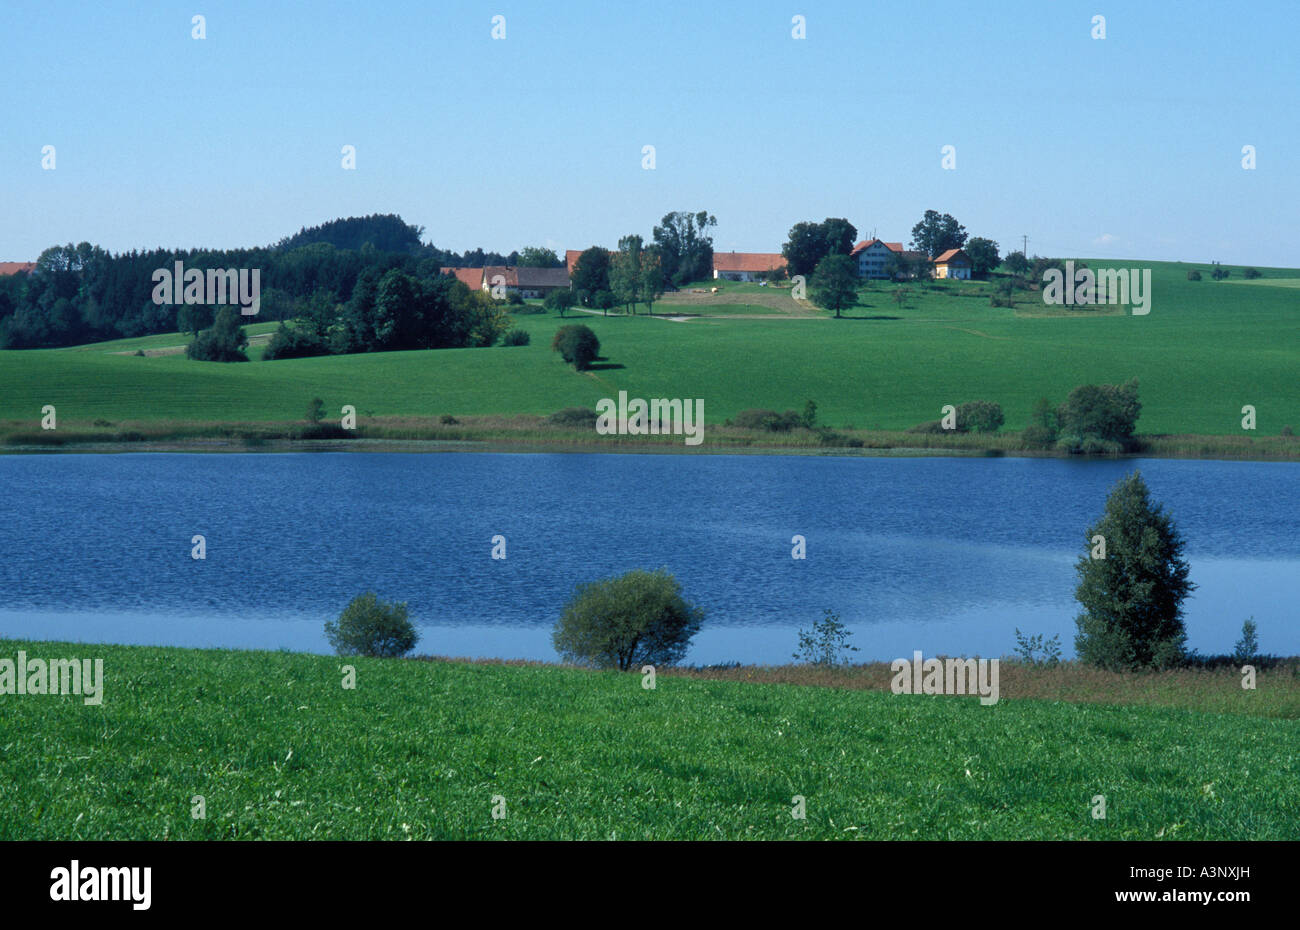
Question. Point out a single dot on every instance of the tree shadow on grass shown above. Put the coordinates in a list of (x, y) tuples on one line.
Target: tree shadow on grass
[(875, 317), (606, 367)]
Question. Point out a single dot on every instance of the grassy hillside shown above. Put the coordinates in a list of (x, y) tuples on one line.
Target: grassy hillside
[(1206, 349), (279, 749)]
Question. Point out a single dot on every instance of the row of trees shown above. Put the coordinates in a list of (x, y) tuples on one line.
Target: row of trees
[(1133, 577), (395, 310), (809, 243), (82, 293), (1094, 418), (680, 251)]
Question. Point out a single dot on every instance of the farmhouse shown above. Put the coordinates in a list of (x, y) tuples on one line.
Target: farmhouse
[(470, 277), (529, 282), (746, 266), (874, 257), (953, 263), (7, 268)]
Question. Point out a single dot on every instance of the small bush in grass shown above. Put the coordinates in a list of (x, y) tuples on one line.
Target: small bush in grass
[(828, 437), (930, 427), (577, 345), (371, 627), (980, 416), (1099, 417), (448, 420), (225, 341), (1287, 431), (574, 417), (1247, 648), (315, 410), (295, 342), (1193, 275), (1251, 273), (770, 420), (139, 353), (328, 430), (622, 622), (1029, 647), (515, 299), (1003, 294), (1041, 433), (560, 299), (516, 337), (827, 643)]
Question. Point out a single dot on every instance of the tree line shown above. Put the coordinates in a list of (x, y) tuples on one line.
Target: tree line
[(680, 252), (83, 293), (808, 243)]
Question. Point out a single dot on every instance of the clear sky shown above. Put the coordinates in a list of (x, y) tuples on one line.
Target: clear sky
[(1123, 147)]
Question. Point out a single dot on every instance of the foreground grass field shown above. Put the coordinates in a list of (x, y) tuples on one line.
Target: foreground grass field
[(277, 748), (1206, 349)]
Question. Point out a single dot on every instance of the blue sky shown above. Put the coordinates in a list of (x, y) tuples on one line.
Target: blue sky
[(1127, 147)]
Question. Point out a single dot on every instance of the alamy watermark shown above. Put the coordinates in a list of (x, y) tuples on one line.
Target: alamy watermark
[(80, 882), (1086, 287), (53, 676), (946, 676), (658, 416), (178, 285)]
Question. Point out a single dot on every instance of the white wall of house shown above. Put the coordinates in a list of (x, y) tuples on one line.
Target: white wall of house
[(952, 271), (874, 262), (735, 275)]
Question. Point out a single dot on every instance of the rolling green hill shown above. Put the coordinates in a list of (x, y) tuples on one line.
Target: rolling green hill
[(1206, 349)]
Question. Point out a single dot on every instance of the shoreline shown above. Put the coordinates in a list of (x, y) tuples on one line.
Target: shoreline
[(537, 438), (1212, 688)]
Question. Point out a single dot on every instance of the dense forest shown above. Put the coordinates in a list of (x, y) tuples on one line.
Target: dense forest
[(79, 294)]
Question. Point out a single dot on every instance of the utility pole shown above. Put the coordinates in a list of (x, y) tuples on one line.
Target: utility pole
[(1024, 249)]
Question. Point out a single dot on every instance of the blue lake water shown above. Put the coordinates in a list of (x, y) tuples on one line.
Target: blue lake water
[(940, 554)]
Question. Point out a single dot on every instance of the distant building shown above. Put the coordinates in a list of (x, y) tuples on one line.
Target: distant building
[(528, 282), (538, 282), (7, 268), (953, 263), (878, 259), (746, 266), (875, 256), (470, 277)]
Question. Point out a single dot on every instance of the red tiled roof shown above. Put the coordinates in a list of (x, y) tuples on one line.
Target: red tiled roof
[(868, 243), (747, 261), (470, 277), (952, 255), (491, 272), (15, 267)]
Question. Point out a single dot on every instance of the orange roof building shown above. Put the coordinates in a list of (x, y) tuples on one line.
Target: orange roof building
[(953, 263), (746, 266), (470, 277)]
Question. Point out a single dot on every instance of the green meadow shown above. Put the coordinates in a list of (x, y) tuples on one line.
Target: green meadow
[(1204, 351), (278, 749)]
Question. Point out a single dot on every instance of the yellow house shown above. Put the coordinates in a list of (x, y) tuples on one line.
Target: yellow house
[(952, 264)]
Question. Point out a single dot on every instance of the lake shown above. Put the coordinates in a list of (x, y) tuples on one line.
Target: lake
[(945, 555)]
